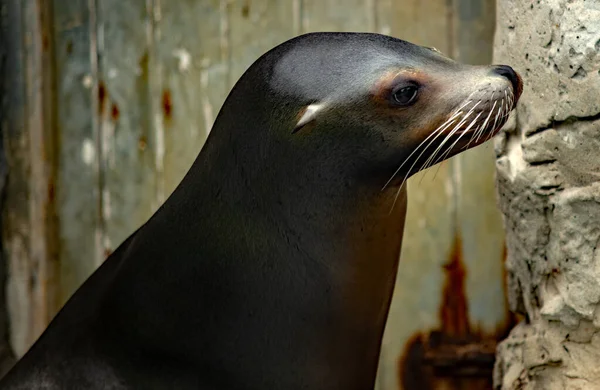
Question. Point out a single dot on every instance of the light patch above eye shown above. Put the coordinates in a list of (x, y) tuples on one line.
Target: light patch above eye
[(310, 113), (435, 50)]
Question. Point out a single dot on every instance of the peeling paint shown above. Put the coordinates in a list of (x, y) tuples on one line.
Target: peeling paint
[(100, 38), (107, 247), (98, 238), (87, 81), (88, 151), (385, 29), (106, 204), (159, 159), (207, 107), (185, 59), (107, 132)]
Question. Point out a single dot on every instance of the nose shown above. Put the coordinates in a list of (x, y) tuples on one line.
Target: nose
[(512, 76)]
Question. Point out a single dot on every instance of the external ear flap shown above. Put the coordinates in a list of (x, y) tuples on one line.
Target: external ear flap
[(309, 115)]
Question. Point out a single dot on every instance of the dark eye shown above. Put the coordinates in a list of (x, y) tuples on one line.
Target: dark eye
[(405, 96)]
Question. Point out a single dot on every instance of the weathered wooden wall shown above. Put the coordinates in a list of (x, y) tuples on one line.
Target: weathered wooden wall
[(117, 99), (9, 81)]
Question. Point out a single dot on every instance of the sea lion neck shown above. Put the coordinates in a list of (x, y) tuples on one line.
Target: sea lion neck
[(304, 271), (272, 264)]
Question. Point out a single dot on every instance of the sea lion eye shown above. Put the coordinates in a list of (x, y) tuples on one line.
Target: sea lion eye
[(405, 95)]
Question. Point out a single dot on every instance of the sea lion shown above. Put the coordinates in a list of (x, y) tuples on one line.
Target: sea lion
[(272, 264)]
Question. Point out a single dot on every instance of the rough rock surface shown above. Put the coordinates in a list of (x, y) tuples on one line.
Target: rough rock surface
[(548, 180)]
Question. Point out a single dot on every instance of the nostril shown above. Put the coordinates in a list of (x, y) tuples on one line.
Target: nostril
[(512, 76), (508, 72)]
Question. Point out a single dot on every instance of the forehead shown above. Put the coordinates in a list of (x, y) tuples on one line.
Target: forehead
[(317, 66)]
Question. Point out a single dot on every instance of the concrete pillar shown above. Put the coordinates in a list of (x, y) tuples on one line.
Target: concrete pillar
[(548, 183)]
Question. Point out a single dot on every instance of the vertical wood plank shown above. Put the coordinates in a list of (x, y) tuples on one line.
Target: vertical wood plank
[(127, 142), (78, 191), (191, 78), (30, 230), (338, 15), (42, 148), (480, 222), (430, 221), (16, 232), (421, 22), (11, 118), (256, 27)]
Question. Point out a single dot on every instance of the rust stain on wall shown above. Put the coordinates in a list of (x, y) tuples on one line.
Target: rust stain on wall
[(114, 112), (142, 143), (167, 105), (457, 355), (51, 192), (246, 9), (413, 373), (101, 97), (454, 313)]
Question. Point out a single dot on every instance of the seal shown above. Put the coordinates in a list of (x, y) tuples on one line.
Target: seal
[(272, 264)]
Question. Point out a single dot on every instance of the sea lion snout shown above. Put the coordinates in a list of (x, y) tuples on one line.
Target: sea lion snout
[(512, 76)]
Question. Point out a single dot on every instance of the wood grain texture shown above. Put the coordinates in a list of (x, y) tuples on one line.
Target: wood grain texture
[(126, 141), (79, 164), (29, 219), (192, 52)]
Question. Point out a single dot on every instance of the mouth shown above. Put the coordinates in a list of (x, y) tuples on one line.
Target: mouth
[(472, 123), (477, 121)]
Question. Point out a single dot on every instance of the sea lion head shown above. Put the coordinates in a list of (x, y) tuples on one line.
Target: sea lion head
[(369, 104)]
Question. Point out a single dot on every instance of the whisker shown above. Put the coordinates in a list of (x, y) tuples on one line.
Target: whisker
[(500, 111), (438, 131), (486, 121), (472, 133), (445, 124), (448, 122), (438, 169), (449, 135), (502, 108), (449, 149), (498, 114)]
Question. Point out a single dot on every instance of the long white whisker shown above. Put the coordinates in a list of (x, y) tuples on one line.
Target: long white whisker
[(486, 121), (498, 114), (450, 134), (473, 134), (433, 159), (420, 155), (448, 150), (448, 122), (437, 133)]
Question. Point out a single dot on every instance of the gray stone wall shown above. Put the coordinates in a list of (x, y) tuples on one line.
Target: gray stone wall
[(548, 182)]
